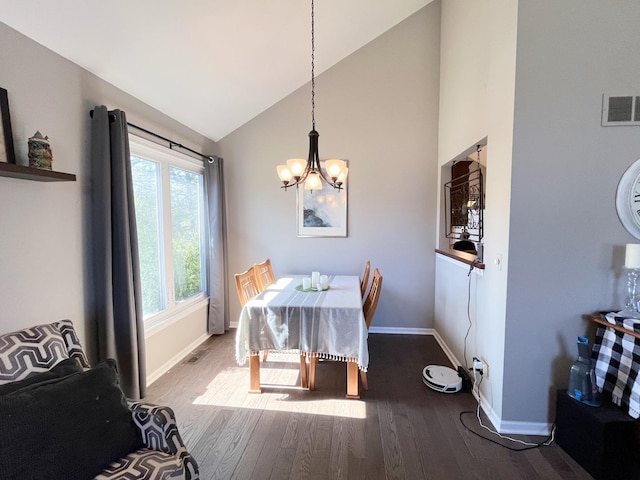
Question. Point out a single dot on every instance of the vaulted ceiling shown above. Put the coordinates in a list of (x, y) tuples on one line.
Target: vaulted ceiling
[(210, 64)]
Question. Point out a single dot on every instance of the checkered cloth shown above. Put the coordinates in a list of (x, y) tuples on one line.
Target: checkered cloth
[(617, 357)]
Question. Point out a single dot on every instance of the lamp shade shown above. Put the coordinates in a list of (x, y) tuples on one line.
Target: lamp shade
[(313, 182), (632, 255), (297, 166), (284, 173), (334, 167), (343, 176)]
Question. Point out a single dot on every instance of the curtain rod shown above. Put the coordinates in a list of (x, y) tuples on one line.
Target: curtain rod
[(172, 144)]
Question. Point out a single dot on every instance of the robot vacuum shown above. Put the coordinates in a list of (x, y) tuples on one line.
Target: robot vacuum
[(442, 379)]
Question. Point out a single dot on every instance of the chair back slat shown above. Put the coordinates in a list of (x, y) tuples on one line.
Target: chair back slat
[(247, 285), (365, 278), (371, 302)]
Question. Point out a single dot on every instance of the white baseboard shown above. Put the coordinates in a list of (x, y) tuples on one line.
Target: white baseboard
[(401, 330), (504, 427), (173, 361)]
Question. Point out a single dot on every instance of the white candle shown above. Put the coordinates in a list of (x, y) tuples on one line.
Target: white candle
[(315, 279), (306, 283), (632, 256)]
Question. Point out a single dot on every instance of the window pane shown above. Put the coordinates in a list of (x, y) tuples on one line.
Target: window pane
[(146, 190), (186, 220)]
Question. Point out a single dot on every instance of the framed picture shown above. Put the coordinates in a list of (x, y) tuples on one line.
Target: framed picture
[(322, 213), (7, 154)]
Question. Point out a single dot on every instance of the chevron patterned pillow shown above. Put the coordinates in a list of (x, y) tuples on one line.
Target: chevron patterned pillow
[(31, 350)]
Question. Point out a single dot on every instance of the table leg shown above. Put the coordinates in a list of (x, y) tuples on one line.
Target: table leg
[(303, 372), (352, 380), (313, 363), (254, 374)]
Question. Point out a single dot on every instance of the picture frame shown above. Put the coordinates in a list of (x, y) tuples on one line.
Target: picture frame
[(7, 153), (322, 213)]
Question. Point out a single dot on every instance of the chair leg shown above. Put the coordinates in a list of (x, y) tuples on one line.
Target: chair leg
[(363, 378), (264, 355)]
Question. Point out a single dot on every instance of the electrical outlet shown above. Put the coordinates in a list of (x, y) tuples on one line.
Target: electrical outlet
[(480, 366), (477, 364)]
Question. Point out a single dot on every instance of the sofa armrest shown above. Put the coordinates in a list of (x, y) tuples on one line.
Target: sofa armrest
[(158, 427)]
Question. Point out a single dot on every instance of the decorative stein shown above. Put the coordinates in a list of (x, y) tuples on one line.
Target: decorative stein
[(40, 155)]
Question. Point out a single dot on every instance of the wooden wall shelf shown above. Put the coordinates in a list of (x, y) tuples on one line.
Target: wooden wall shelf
[(599, 319), (37, 174), (462, 257)]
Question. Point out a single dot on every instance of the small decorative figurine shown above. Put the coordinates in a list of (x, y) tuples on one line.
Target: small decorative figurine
[(40, 155)]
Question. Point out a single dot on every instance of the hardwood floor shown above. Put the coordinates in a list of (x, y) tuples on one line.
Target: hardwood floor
[(399, 429)]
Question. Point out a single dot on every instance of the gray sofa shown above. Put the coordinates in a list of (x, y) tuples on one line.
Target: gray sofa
[(63, 419)]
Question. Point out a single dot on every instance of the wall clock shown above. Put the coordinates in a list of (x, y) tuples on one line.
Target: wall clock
[(628, 199)]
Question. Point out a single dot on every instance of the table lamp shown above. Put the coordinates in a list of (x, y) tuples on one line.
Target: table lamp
[(632, 267)]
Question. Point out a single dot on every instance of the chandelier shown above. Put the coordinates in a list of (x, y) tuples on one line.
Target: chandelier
[(310, 172)]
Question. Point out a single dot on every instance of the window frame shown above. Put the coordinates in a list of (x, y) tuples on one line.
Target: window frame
[(168, 158)]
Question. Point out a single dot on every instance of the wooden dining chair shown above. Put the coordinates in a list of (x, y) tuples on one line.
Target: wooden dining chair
[(265, 277), (264, 273), (365, 278), (369, 310), (247, 285)]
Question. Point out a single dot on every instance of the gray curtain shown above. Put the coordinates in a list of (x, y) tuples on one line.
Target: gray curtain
[(218, 317), (118, 296)]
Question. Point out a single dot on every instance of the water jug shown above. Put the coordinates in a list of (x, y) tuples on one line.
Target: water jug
[(582, 379)]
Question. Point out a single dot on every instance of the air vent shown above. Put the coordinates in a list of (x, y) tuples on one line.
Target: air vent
[(620, 110), (193, 358)]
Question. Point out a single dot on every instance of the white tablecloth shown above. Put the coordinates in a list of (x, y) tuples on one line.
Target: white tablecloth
[(328, 324)]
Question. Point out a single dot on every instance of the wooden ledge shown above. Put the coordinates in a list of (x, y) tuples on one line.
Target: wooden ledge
[(599, 319), (462, 257)]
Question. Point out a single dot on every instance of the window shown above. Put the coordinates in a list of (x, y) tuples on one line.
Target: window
[(169, 203)]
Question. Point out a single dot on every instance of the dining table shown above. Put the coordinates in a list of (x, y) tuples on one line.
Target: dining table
[(317, 324)]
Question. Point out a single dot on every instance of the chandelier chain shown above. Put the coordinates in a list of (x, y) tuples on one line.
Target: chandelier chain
[(313, 80)]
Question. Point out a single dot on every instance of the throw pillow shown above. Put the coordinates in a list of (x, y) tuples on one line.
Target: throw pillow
[(31, 350), (64, 368), (70, 428)]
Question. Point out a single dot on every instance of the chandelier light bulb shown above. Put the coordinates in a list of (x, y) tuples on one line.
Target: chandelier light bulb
[(284, 173), (313, 182), (297, 166), (334, 167)]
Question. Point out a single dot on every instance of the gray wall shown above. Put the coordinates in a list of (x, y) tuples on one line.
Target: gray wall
[(45, 249), (535, 73), (378, 109), (565, 236)]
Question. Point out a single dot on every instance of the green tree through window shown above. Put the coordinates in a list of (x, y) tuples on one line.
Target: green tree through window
[(169, 204)]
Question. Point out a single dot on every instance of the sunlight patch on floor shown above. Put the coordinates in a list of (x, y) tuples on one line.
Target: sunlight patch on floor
[(280, 392)]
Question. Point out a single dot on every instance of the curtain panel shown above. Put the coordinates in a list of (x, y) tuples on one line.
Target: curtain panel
[(118, 295), (218, 316)]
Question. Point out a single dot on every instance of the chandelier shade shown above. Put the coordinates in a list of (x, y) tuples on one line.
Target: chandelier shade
[(310, 172)]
